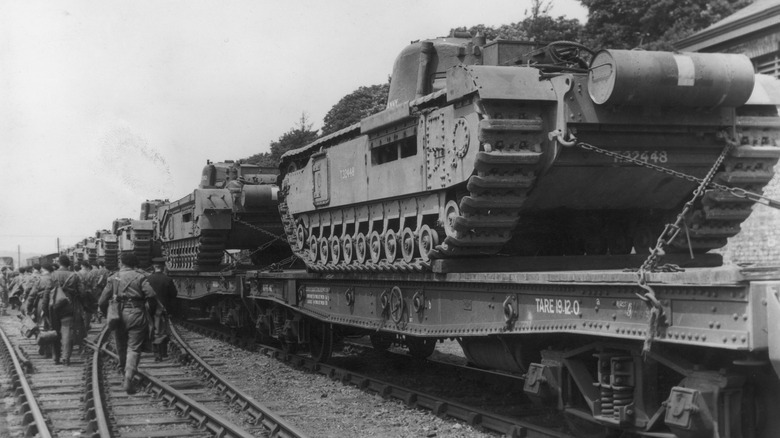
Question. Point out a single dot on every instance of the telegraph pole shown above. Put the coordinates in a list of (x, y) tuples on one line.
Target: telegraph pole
[(19, 255)]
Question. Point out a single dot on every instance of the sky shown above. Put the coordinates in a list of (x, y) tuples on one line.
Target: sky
[(104, 104)]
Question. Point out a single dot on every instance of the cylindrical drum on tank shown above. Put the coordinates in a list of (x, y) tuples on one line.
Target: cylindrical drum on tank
[(638, 77), (259, 196)]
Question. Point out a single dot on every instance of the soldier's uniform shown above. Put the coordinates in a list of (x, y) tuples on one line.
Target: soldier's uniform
[(38, 305), (134, 293), (68, 320)]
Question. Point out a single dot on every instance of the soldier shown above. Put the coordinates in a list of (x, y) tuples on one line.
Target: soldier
[(101, 279), (3, 290), (30, 286), (66, 318), (90, 301), (166, 293), (39, 307), (135, 294)]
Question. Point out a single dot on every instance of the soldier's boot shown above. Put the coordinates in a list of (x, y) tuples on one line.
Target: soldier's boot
[(164, 350), (130, 366), (157, 352)]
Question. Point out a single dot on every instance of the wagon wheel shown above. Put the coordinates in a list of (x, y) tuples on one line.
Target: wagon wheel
[(427, 239), (420, 348), (396, 304), (381, 341), (313, 248), (407, 244), (451, 212), (390, 246), (335, 249), (300, 237), (346, 248), (321, 341), (361, 248), (375, 246), (324, 250)]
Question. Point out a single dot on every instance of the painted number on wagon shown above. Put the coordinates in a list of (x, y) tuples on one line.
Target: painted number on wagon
[(654, 157), (557, 306)]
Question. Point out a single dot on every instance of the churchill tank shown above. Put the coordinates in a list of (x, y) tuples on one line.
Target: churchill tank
[(137, 235), (510, 148), (235, 207)]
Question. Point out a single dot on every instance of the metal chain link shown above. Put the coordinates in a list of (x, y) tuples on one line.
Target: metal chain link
[(734, 191)]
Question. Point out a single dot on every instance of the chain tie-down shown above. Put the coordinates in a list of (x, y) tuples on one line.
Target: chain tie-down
[(670, 231)]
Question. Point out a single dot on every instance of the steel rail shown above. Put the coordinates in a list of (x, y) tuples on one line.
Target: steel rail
[(277, 426), (203, 416), (439, 406), (97, 416), (24, 394)]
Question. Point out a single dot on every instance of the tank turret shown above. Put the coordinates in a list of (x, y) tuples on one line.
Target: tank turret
[(514, 148)]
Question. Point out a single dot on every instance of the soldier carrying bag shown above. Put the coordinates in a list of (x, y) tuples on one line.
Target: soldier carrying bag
[(61, 299), (114, 314)]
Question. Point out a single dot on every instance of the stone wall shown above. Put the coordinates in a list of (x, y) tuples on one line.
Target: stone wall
[(759, 241)]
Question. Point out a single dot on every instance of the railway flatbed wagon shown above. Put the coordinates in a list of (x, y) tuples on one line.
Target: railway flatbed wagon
[(701, 359)]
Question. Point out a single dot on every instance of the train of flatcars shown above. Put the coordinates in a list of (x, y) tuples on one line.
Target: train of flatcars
[(496, 201)]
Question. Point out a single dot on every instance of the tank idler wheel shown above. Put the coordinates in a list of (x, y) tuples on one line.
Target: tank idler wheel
[(313, 248), (300, 237), (375, 247), (324, 250), (427, 239), (391, 246), (420, 348), (335, 249), (361, 248), (346, 248), (408, 241), (451, 212)]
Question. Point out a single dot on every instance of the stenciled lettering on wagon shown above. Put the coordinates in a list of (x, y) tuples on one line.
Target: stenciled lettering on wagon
[(347, 173), (633, 309), (318, 295), (557, 306)]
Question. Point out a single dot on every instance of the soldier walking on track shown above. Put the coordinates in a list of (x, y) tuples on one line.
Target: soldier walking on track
[(166, 293), (65, 309), (135, 295)]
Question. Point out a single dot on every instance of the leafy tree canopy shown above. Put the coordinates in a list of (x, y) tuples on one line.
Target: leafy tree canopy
[(655, 25), (298, 136), (357, 105), (536, 26)]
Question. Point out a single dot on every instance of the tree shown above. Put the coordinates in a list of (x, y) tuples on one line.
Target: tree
[(298, 136), (355, 106), (656, 25), (536, 26)]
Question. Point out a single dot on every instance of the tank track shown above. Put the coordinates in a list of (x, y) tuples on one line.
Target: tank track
[(112, 256), (749, 166), (142, 248), (202, 253), (506, 171)]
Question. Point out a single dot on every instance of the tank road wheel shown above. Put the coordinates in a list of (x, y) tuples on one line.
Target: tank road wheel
[(321, 341), (407, 244), (324, 250), (300, 237), (391, 246), (375, 246), (335, 249), (451, 212), (346, 248), (426, 241), (361, 248), (420, 348), (313, 249)]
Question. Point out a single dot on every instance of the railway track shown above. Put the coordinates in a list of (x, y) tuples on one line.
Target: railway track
[(179, 397), (500, 416)]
